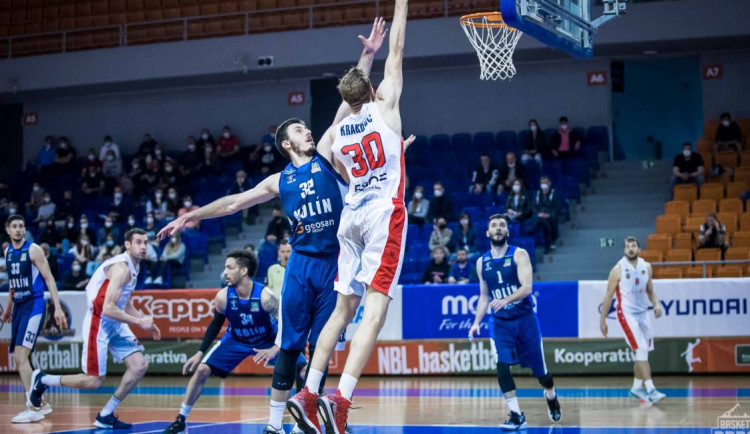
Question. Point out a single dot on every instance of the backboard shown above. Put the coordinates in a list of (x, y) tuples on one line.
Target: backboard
[(562, 24)]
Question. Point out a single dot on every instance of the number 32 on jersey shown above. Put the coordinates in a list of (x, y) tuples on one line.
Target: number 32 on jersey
[(368, 155)]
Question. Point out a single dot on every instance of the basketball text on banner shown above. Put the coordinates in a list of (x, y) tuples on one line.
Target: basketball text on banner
[(691, 307)]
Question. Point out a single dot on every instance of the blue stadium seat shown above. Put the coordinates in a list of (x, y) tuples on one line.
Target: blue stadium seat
[(549, 132), (507, 141), (572, 187), (214, 230), (532, 174), (581, 131), (233, 221), (461, 141), (578, 167), (526, 243), (196, 244), (598, 137), (522, 137), (553, 169), (483, 141), (591, 154), (439, 142)]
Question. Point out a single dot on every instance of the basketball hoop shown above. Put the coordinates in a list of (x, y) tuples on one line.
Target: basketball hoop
[(494, 42)]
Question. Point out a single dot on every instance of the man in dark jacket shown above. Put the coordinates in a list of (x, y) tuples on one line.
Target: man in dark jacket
[(545, 206), (441, 205), (509, 172)]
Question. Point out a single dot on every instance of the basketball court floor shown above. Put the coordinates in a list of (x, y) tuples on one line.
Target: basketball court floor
[(404, 405)]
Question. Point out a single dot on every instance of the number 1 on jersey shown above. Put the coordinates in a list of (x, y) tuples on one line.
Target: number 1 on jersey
[(499, 277), (363, 156)]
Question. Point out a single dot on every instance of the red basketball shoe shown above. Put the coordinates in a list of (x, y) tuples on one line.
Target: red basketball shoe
[(335, 410), (304, 409)]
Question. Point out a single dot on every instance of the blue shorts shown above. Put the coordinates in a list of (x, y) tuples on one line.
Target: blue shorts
[(307, 299), (228, 353), (519, 340), (27, 321)]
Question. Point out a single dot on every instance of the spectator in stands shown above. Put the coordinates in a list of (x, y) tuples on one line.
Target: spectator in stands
[(241, 184), (463, 271), (418, 206), (51, 258), (191, 159), (157, 205), (172, 258), (466, 237), (4, 197), (108, 249), (509, 173), (566, 143), (728, 135), (36, 199), (158, 155), (270, 160), (46, 211), (120, 206), (187, 206), (75, 280), (4, 266), (11, 209), (441, 204), (84, 229), (211, 164), (92, 160), (544, 208), (687, 168), (150, 179), (130, 183), (69, 231), (152, 229), (438, 269), (46, 156), (206, 139), (111, 167), (109, 145), (172, 177), (147, 146), (47, 233), (131, 223), (92, 185), (517, 208), (442, 237), (82, 250), (108, 229), (535, 144), (713, 235), (68, 207), (485, 176), (228, 146), (275, 273), (65, 157), (278, 227), (173, 204)]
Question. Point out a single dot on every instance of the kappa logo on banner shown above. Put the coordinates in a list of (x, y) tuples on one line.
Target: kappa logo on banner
[(175, 309)]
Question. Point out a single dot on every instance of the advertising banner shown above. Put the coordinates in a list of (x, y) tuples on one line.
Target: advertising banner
[(179, 313), (691, 307), (445, 357), (447, 311), (391, 330), (75, 307)]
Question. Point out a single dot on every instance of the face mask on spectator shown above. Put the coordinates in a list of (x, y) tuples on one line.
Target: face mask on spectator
[(84, 242), (563, 127), (91, 157), (187, 203), (204, 136), (173, 240), (110, 158), (84, 225), (110, 243), (267, 148), (131, 222), (438, 193), (135, 165), (47, 199), (158, 194), (240, 181), (118, 196), (442, 226), (418, 195), (108, 224), (687, 153), (92, 174), (464, 221), (173, 196), (191, 148), (149, 220), (35, 188), (533, 127), (208, 150), (70, 225), (107, 144), (76, 268), (168, 169), (544, 187), (516, 188), (226, 134), (63, 145), (725, 122), (157, 152), (12, 210)]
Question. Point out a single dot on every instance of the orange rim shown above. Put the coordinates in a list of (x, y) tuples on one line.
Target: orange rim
[(492, 20)]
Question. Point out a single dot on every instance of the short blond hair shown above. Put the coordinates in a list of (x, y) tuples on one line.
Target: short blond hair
[(355, 87)]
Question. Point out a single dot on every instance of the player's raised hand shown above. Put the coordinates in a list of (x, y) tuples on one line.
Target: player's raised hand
[(474, 330), (377, 36), (173, 226), (264, 356), (156, 333), (192, 363), (60, 319)]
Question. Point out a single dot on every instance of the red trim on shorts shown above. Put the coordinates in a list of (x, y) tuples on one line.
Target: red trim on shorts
[(623, 322), (400, 192), (383, 278), (92, 355)]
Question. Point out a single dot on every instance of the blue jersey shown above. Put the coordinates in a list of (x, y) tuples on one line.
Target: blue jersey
[(23, 277), (501, 277), (313, 198), (248, 322)]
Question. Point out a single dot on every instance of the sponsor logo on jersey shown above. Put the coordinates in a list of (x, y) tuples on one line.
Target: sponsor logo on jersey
[(23, 256), (315, 167), (350, 129), (507, 262), (290, 179), (254, 306), (371, 182)]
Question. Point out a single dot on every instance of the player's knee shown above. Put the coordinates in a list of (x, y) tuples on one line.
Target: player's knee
[(546, 381), (21, 358), (139, 368), (504, 378), (203, 372), (285, 371), (641, 355)]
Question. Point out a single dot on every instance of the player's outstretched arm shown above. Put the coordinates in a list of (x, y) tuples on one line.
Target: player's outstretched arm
[(614, 278), (263, 192), (389, 91), (482, 303), (652, 294), (40, 262)]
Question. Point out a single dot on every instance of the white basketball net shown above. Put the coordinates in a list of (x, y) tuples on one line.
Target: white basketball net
[(494, 45)]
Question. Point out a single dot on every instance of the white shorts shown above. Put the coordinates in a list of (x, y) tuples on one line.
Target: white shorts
[(105, 335), (372, 239), (637, 329)]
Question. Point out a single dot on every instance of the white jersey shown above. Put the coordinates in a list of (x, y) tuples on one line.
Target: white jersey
[(97, 286), (631, 290), (373, 155)]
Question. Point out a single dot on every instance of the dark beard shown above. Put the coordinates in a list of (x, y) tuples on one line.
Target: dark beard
[(499, 243), (310, 153)]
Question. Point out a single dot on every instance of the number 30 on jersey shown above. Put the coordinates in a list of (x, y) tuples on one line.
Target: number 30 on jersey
[(368, 155)]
